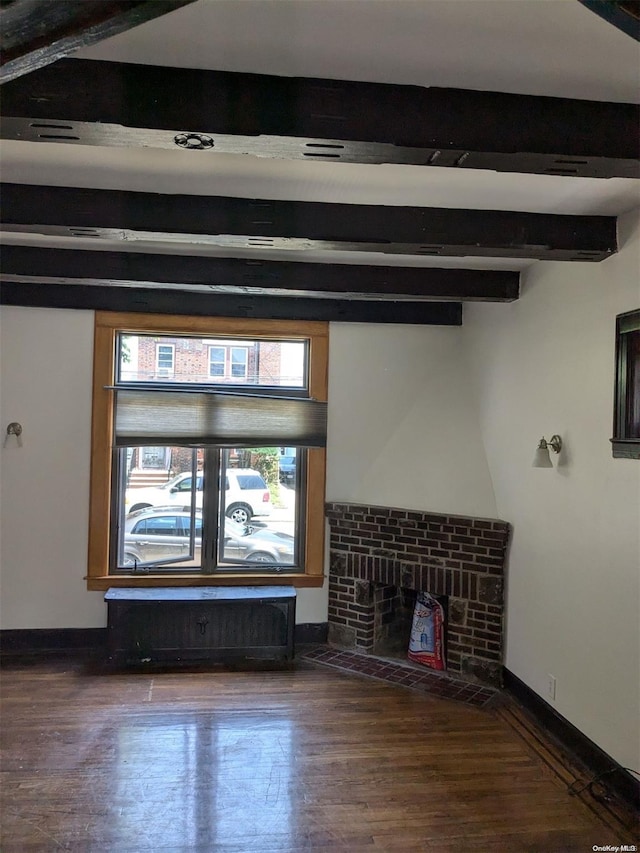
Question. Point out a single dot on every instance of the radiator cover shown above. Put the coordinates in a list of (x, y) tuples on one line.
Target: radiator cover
[(215, 624)]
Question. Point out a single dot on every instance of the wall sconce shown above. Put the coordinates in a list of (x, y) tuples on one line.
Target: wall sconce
[(13, 428), (542, 458)]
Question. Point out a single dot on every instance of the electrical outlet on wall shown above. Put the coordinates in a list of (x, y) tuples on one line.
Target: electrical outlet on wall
[(551, 686)]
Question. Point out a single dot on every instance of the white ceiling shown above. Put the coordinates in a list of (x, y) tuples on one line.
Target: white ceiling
[(542, 47), (538, 47)]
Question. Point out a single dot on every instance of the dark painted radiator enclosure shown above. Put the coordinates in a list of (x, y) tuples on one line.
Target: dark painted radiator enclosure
[(215, 624)]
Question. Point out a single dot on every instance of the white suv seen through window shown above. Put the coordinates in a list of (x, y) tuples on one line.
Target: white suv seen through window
[(246, 494)]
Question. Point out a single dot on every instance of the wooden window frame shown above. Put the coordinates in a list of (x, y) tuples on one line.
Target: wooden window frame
[(107, 326)]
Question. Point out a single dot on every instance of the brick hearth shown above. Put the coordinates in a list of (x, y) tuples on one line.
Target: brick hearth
[(460, 557)]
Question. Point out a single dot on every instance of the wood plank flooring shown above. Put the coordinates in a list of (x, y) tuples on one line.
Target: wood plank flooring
[(291, 760)]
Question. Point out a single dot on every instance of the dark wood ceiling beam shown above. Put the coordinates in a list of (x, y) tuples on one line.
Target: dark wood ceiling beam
[(107, 103), (234, 275), (34, 33), (623, 14), (265, 224), (158, 301)]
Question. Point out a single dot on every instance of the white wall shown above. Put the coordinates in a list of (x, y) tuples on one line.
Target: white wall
[(45, 384), (403, 430), (545, 365)]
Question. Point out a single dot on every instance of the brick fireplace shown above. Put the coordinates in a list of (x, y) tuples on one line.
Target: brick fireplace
[(381, 554)]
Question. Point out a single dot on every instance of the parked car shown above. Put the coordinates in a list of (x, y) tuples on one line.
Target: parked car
[(287, 469), (155, 534), (246, 494)]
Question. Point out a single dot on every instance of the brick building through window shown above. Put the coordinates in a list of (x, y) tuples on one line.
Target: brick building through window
[(235, 362)]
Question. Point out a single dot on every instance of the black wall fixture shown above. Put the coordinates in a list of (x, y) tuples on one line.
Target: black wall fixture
[(265, 224), (109, 103)]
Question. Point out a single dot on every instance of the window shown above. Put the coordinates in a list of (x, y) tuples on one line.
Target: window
[(164, 359), (217, 362), (229, 362), (215, 507), (238, 363), (626, 419)]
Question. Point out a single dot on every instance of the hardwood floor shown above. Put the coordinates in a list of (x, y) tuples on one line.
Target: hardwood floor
[(300, 759)]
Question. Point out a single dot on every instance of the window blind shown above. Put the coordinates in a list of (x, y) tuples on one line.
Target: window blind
[(155, 417)]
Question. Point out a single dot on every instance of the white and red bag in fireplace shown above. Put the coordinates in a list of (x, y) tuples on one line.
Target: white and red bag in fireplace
[(426, 645)]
